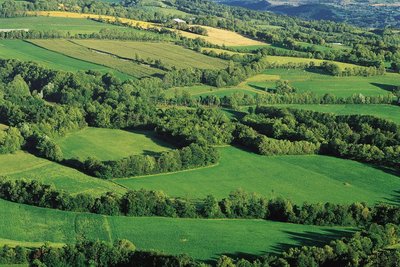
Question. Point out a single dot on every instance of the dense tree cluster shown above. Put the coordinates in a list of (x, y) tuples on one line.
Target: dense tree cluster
[(204, 126), (359, 137)]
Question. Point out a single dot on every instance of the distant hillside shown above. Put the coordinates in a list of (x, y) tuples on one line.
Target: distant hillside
[(365, 13)]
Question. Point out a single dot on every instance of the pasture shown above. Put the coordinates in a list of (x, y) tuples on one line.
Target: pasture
[(70, 49), (24, 51), (389, 112), (311, 178), (24, 165), (320, 84), (41, 23), (169, 54), (110, 144), (199, 238), (317, 62)]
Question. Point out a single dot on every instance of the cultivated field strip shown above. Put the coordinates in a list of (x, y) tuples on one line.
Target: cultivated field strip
[(202, 239), (169, 54), (71, 49)]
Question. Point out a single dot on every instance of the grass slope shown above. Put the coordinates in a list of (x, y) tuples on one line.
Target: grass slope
[(21, 50), (71, 49), (321, 84), (389, 112), (110, 144), (24, 165), (169, 54), (310, 178), (74, 26), (202, 239)]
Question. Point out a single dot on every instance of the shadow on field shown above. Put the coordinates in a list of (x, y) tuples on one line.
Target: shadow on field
[(394, 198), (300, 239), (311, 239), (235, 113), (386, 87)]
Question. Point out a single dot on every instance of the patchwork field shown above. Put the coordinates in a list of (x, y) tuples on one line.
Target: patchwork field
[(43, 23), (300, 178), (110, 144), (202, 239), (71, 49), (321, 84), (169, 54), (18, 49), (215, 36), (389, 112), (24, 165)]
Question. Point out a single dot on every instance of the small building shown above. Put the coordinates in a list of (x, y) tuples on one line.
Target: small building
[(179, 21)]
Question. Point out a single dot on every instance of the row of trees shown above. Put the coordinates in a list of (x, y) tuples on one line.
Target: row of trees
[(238, 204), (191, 156)]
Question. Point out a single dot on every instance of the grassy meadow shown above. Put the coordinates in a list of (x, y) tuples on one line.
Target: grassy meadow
[(169, 54), (25, 165), (110, 144), (24, 51), (311, 178), (70, 49), (199, 238), (321, 84)]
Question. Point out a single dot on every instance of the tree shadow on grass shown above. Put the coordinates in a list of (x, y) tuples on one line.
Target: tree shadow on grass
[(152, 135), (235, 113), (386, 87), (311, 239), (300, 239), (394, 198)]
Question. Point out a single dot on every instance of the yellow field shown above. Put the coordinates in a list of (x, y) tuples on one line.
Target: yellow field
[(215, 36), (223, 37), (222, 51), (73, 15)]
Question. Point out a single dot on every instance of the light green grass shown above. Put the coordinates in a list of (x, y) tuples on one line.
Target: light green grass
[(322, 84), (71, 25), (199, 238), (18, 49), (69, 48), (110, 144), (24, 165), (204, 90), (389, 112), (169, 54), (310, 178)]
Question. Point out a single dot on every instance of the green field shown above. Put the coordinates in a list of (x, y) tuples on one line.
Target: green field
[(204, 90), (69, 48), (70, 25), (310, 178), (110, 144), (321, 84), (24, 165), (202, 239), (18, 49), (169, 54), (389, 112)]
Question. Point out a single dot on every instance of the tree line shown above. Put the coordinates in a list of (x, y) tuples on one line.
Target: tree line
[(188, 157), (238, 205)]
